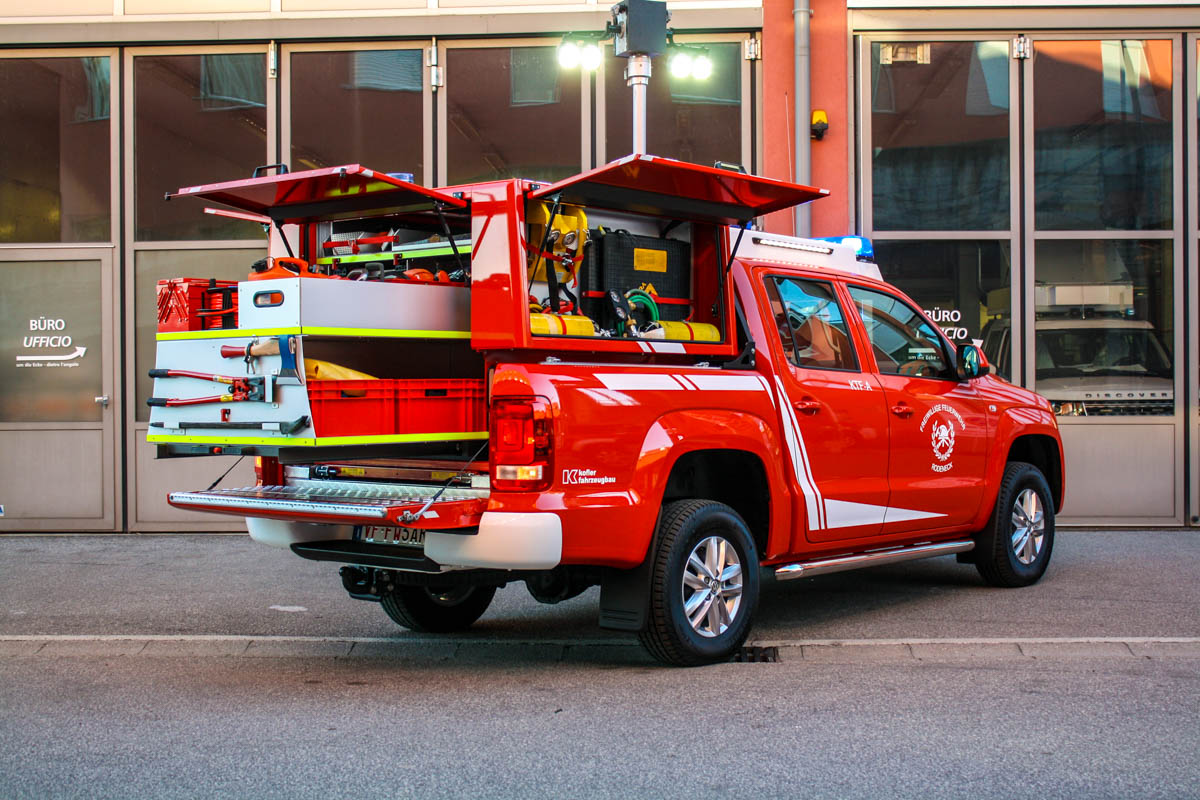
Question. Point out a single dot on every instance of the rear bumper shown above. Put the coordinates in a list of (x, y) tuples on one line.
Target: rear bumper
[(284, 533), (504, 540)]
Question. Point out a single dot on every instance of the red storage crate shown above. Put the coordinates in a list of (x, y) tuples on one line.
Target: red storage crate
[(390, 407), (196, 304)]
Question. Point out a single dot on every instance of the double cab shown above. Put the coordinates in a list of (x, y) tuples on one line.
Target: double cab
[(614, 380)]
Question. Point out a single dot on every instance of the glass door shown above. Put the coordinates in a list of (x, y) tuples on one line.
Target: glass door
[(940, 142), (1031, 198), (368, 103), (59, 402), (1192, 192), (506, 110), (57, 394), (1103, 285), (195, 115)]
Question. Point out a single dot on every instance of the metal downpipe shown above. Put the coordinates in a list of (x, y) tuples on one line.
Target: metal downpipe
[(801, 16)]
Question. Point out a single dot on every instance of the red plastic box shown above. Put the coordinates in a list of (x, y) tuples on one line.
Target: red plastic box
[(391, 407), (196, 304)]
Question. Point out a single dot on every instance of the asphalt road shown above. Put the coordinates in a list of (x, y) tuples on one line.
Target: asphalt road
[(207, 666), (1099, 584)]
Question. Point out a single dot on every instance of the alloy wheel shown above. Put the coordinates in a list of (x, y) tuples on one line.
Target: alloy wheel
[(1029, 526), (712, 586)]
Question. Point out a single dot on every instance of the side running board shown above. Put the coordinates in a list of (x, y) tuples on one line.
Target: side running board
[(824, 566)]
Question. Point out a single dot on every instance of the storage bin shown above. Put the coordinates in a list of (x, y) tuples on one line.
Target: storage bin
[(621, 260), (196, 304), (396, 407)]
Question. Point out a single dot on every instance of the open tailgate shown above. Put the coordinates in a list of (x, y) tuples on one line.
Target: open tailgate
[(352, 504)]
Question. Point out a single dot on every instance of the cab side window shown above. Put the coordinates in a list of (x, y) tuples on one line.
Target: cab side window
[(811, 324), (903, 341)]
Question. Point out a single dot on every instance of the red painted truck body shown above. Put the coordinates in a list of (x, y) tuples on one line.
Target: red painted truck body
[(812, 405)]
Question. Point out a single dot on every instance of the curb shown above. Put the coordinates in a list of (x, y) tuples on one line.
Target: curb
[(493, 650)]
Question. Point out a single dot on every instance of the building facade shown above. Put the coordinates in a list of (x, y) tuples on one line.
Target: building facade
[(1027, 171)]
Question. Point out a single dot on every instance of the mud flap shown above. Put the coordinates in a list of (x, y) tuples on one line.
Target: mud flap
[(625, 596)]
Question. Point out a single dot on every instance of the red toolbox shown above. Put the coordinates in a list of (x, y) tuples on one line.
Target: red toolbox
[(196, 304), (391, 407)]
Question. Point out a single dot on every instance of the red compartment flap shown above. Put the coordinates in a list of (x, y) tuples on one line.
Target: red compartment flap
[(329, 193), (679, 190)]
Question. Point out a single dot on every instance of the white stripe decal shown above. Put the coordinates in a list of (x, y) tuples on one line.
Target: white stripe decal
[(844, 514), (799, 453), (667, 347), (691, 382), (906, 514), (812, 481), (633, 381), (766, 387), (726, 383)]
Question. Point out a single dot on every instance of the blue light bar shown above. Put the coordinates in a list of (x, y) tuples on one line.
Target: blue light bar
[(862, 245)]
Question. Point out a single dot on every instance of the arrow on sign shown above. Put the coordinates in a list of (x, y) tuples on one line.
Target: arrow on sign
[(79, 351)]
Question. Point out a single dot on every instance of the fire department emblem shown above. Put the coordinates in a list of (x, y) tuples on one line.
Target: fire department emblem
[(943, 440), (940, 420)]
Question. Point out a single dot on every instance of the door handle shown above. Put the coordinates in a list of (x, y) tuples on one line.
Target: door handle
[(902, 410), (806, 405), (102, 400)]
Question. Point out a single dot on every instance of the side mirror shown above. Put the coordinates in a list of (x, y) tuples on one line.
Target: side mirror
[(971, 362)]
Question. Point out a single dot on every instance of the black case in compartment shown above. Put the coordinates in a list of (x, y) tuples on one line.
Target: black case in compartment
[(611, 263)]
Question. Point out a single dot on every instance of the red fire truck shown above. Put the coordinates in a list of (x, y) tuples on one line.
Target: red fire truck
[(611, 380)]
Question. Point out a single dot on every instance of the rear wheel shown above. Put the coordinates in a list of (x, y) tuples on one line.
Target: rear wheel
[(437, 609), (1014, 549), (704, 584)]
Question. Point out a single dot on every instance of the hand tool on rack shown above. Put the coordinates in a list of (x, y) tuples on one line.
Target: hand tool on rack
[(282, 346), (252, 389), (286, 427)]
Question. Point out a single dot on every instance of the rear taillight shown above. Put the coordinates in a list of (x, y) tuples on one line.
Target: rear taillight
[(522, 444)]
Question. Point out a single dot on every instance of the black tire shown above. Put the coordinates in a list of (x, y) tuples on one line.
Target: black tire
[(670, 635), (437, 609), (1003, 555)]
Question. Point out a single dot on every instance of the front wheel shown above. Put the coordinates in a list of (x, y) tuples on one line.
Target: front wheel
[(704, 584), (1014, 549), (437, 609)]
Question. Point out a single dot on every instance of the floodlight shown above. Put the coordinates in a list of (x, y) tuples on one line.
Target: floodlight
[(681, 64), (591, 56), (702, 67), (568, 55)]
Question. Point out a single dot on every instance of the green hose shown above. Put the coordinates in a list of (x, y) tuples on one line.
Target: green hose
[(639, 297)]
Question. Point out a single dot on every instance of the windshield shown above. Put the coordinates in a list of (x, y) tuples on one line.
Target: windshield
[(1098, 352)]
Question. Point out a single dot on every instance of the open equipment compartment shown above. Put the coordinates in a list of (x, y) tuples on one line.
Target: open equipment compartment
[(367, 318), (647, 271)]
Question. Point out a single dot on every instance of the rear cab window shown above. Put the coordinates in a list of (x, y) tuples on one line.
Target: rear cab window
[(811, 324)]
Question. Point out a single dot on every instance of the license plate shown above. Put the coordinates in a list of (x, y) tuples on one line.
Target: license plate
[(384, 534)]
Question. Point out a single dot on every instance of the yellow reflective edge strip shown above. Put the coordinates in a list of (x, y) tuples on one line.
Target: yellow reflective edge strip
[(227, 333), (325, 441), (392, 332), (162, 438)]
